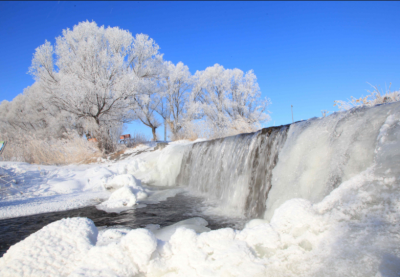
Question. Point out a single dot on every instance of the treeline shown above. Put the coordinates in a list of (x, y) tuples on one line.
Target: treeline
[(95, 79)]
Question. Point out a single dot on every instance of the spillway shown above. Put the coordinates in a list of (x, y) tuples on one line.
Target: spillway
[(235, 170), (253, 174)]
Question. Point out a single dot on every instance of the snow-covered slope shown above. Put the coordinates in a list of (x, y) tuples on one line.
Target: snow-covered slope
[(31, 189), (38, 189)]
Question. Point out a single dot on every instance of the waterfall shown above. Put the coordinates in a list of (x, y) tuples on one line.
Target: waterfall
[(252, 174), (236, 171), (321, 153)]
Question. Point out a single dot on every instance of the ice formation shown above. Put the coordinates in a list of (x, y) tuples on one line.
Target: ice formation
[(128, 190), (331, 208), (159, 168)]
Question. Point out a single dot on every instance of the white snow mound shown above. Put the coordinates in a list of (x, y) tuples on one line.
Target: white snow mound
[(55, 250), (129, 191), (197, 224), (123, 180)]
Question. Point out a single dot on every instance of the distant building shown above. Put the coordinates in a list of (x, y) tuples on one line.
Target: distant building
[(125, 138)]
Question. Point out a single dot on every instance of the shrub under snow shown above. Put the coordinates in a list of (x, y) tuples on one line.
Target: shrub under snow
[(375, 97), (28, 148)]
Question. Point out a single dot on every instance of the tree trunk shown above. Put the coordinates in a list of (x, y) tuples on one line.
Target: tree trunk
[(153, 130), (103, 138)]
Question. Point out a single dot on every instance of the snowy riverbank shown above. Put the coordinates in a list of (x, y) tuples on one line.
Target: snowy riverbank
[(333, 209), (33, 189)]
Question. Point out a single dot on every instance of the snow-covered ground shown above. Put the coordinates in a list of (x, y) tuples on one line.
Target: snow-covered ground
[(115, 185)]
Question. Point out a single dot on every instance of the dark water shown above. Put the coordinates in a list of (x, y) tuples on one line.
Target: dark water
[(165, 213)]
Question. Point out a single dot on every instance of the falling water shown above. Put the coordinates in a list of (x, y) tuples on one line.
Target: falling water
[(321, 153), (252, 174), (235, 170)]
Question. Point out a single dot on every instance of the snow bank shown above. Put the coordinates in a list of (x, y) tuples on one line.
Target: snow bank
[(52, 203), (39, 189), (129, 190), (34, 189), (123, 180), (126, 256), (55, 250), (140, 147), (123, 197), (196, 224)]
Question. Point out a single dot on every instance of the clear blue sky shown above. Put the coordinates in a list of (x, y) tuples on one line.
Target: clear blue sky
[(305, 54)]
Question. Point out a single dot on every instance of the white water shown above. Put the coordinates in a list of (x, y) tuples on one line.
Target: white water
[(234, 171), (253, 174), (320, 154)]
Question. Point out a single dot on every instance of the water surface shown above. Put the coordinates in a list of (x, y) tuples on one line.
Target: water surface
[(174, 209)]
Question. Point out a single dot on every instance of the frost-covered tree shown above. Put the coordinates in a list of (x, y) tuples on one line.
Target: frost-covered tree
[(229, 100), (95, 73), (147, 103), (177, 85), (95, 79), (41, 133), (29, 112)]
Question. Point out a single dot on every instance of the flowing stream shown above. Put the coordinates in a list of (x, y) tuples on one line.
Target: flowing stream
[(174, 209)]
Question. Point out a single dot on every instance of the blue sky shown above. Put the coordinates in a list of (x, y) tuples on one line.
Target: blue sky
[(305, 54)]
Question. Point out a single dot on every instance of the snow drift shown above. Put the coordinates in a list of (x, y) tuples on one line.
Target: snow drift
[(128, 190)]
